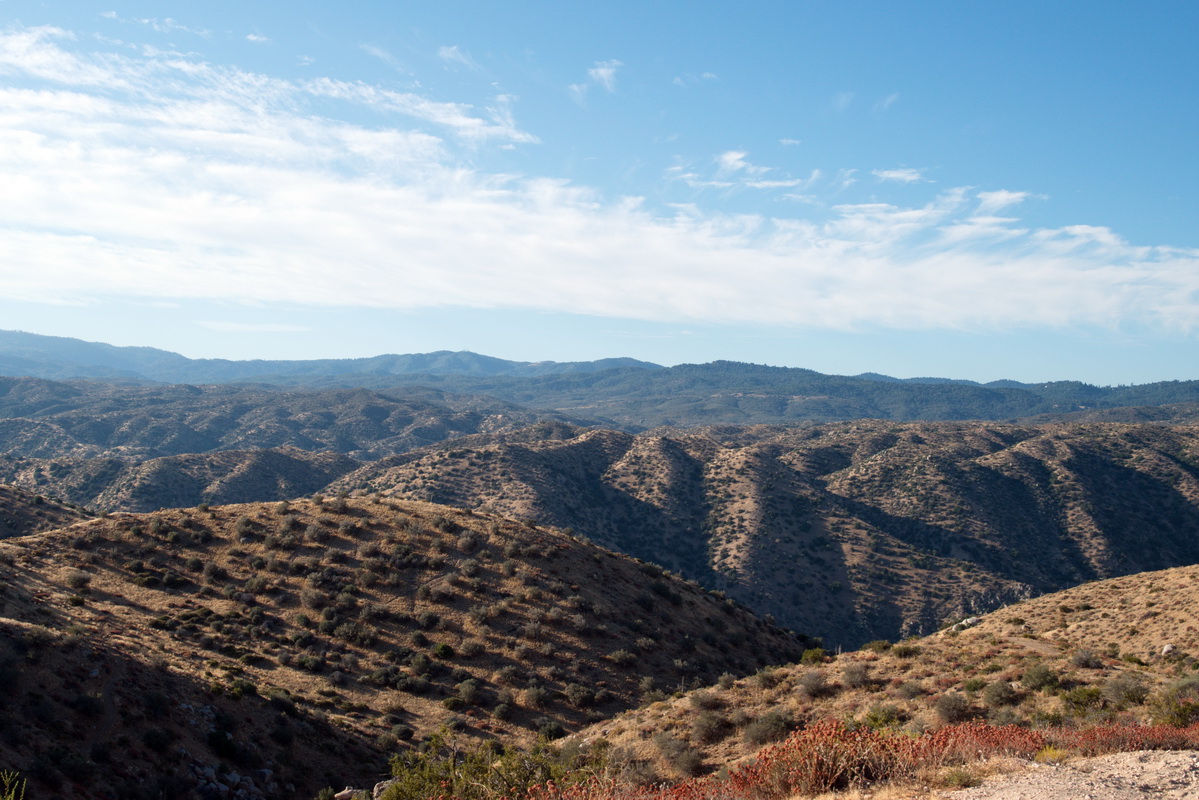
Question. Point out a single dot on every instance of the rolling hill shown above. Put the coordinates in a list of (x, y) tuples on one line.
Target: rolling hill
[(162, 653)]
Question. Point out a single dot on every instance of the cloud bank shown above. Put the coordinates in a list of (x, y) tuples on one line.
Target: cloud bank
[(162, 176)]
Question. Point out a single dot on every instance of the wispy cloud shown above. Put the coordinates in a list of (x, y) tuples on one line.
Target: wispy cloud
[(883, 103), (842, 101), (257, 39), (384, 56), (900, 175), (172, 179), (603, 74), (452, 54), (989, 202), (225, 326), (164, 25)]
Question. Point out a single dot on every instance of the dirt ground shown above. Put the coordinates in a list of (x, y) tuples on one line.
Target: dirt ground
[(1122, 776)]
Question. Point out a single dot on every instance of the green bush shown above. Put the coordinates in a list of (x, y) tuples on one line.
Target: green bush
[(1038, 676)]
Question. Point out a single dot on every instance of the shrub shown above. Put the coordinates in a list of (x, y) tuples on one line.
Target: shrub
[(1000, 693), (884, 715), (855, 675), (1125, 688), (770, 727), (443, 650), (813, 655), (1039, 676), (1082, 698), (78, 579), (813, 683), (1086, 659), (1177, 704), (910, 690), (710, 726), (877, 646), (952, 707), (578, 696), (905, 650)]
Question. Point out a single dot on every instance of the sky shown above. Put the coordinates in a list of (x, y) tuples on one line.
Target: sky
[(955, 189)]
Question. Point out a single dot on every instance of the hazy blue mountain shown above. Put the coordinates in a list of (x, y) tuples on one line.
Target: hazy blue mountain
[(60, 358)]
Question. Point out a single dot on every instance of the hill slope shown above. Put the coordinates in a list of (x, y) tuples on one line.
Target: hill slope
[(1111, 651), (849, 531), (312, 639)]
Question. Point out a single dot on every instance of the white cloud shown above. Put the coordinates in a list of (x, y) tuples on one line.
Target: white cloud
[(990, 202), (901, 175), (254, 37), (604, 74), (790, 142), (171, 179)]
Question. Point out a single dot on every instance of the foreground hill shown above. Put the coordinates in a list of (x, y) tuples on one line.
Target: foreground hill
[(1116, 651), (848, 531), (312, 638)]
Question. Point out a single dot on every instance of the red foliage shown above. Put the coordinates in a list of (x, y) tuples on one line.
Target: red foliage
[(828, 755)]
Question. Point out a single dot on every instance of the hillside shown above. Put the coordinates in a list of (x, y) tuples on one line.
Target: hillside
[(51, 419), (1105, 652), (620, 392), (848, 531), (23, 512), (313, 638)]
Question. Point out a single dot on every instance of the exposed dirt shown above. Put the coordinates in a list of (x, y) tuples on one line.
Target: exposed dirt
[(1122, 776)]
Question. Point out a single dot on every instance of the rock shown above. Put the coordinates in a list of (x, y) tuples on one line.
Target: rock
[(348, 793), (1168, 649), (381, 787)]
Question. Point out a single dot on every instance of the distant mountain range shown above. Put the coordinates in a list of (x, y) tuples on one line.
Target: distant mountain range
[(617, 392)]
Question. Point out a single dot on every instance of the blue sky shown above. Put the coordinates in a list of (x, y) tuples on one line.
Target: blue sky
[(937, 188)]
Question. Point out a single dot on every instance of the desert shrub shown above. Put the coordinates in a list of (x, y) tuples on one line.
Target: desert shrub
[(884, 715), (952, 707), (770, 727), (705, 701), (905, 650), (1000, 693), (877, 646), (1125, 688), (855, 675), (710, 726), (813, 683), (768, 677), (536, 697), (470, 648), (443, 650), (356, 633), (1177, 704), (622, 658), (813, 655), (678, 755), (578, 696), (973, 684), (726, 680), (1082, 698), (1086, 659), (1039, 676), (78, 579), (910, 690)]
